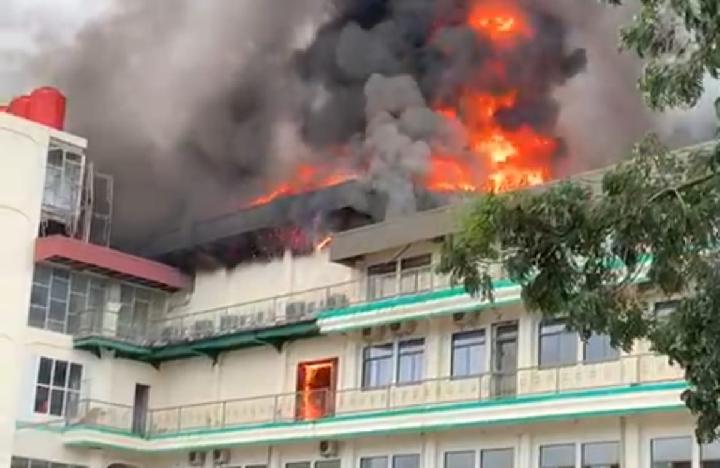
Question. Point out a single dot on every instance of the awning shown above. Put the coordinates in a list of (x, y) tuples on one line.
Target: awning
[(109, 262)]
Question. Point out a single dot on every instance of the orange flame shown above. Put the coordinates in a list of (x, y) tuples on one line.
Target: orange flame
[(323, 243), (508, 158), (307, 178)]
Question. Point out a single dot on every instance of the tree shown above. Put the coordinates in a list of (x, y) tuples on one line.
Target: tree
[(594, 252)]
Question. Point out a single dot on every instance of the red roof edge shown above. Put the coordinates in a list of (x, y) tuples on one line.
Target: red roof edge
[(104, 260)]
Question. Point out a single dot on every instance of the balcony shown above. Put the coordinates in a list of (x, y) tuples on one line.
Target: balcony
[(266, 321), (633, 373)]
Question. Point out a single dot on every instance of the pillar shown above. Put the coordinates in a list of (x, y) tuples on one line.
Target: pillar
[(23, 151)]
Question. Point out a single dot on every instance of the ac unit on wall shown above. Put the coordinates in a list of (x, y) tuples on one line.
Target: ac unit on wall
[(373, 333), (221, 457), (465, 319), (403, 328), (328, 448), (196, 458)]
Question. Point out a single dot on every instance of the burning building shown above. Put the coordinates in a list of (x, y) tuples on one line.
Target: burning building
[(304, 324)]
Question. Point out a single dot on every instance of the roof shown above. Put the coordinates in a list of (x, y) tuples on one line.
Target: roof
[(105, 261)]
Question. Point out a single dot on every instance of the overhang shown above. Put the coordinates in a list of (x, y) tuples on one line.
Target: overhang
[(396, 232), (109, 262)]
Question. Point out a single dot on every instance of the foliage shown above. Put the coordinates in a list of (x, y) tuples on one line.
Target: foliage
[(596, 251)]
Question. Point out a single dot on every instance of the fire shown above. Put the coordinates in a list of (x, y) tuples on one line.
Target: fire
[(508, 158), (501, 22), (325, 242), (307, 178)]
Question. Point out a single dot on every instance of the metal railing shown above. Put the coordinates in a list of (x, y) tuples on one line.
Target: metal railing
[(258, 314), (321, 403)]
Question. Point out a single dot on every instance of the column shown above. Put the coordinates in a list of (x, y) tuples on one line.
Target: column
[(631, 445), (429, 453), (23, 150), (524, 452)]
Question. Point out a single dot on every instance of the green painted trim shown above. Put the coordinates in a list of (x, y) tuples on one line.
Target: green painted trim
[(429, 428), (333, 328), (109, 343), (406, 300), (201, 347), (628, 389)]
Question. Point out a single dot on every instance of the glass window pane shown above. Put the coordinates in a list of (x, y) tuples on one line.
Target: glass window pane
[(56, 402), (499, 458), (75, 376), (72, 402), (406, 461), (41, 275), (36, 317), (600, 454), (374, 462), (60, 374), (59, 288), (460, 459), (598, 348), (558, 345), (410, 361), (42, 395), (44, 371), (19, 462), (557, 456), (79, 283), (57, 311), (377, 372), (39, 464), (671, 451), (327, 464), (711, 452), (468, 353), (39, 295), (297, 465), (379, 351)]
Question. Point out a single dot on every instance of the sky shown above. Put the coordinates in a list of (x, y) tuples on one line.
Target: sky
[(25, 24)]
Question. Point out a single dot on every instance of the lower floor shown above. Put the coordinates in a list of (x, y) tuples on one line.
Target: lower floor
[(649, 440)]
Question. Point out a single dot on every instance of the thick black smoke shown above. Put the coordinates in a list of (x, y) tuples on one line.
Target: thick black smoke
[(196, 107)]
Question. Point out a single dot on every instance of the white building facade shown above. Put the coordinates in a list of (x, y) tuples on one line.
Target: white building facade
[(356, 356)]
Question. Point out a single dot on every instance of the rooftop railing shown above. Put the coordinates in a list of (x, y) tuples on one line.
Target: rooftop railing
[(258, 314), (323, 403)]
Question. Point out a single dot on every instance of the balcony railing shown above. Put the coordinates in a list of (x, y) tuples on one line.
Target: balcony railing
[(264, 313), (316, 404)]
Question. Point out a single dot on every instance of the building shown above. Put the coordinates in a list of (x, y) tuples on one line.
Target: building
[(356, 356)]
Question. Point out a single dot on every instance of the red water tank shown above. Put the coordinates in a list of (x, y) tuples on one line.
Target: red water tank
[(20, 106), (47, 107)]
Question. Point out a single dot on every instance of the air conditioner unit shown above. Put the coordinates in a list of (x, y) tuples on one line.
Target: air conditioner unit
[(196, 458), (294, 311), (403, 328), (328, 448), (221, 456), (465, 319), (229, 322), (373, 333)]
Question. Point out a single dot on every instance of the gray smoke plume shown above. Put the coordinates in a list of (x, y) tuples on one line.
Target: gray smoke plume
[(197, 107)]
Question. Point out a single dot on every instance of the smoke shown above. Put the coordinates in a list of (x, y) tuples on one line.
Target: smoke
[(195, 107)]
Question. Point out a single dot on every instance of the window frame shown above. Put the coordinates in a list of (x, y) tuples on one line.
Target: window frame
[(398, 269), (574, 446), (599, 442), (52, 388), (609, 352), (469, 349), (395, 361), (653, 440), (558, 334)]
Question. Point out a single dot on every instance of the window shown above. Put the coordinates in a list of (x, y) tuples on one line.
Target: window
[(63, 181), (297, 465), (460, 459), (327, 464), (406, 461), (405, 276), (601, 455), (671, 452), (59, 298), (382, 280), (20, 462), (57, 389), (558, 345), (401, 360), (374, 462), (598, 348), (497, 458), (410, 361), (557, 456), (377, 365), (468, 353), (710, 455)]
